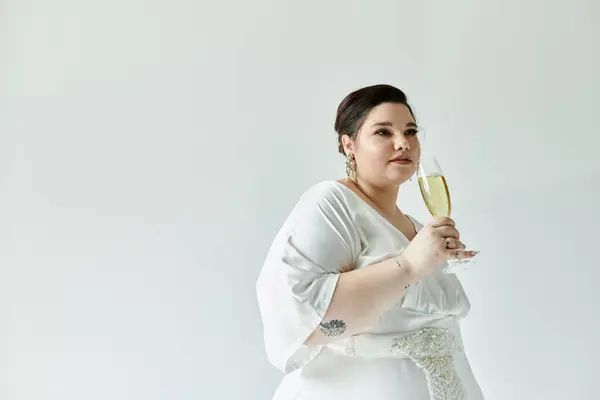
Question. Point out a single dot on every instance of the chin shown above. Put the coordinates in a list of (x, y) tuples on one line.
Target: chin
[(397, 179)]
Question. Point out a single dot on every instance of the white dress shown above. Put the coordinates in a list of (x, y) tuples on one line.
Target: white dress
[(415, 352)]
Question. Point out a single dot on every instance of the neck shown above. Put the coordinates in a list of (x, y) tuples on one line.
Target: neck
[(384, 197)]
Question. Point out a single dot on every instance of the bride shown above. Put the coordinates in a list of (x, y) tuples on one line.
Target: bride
[(352, 297)]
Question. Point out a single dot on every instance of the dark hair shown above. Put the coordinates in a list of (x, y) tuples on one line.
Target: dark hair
[(353, 110)]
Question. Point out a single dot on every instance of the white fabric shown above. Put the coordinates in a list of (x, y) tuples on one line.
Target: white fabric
[(331, 227)]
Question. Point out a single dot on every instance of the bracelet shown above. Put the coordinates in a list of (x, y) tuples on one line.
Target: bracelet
[(400, 265)]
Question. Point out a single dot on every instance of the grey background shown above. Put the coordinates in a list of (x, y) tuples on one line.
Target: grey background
[(149, 151)]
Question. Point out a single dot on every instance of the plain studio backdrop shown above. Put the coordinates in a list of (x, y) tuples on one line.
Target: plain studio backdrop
[(149, 152)]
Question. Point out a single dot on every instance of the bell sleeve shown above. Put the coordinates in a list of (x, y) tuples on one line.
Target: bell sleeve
[(301, 271)]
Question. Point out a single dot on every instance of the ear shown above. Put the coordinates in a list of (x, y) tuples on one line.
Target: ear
[(348, 144)]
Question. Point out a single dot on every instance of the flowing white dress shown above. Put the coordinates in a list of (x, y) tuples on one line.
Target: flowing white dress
[(415, 351)]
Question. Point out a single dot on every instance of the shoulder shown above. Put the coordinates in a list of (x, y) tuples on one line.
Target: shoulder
[(325, 200), (322, 192)]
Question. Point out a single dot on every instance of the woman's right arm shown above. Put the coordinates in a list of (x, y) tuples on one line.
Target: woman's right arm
[(361, 296)]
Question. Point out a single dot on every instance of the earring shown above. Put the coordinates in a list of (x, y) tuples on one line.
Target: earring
[(351, 166)]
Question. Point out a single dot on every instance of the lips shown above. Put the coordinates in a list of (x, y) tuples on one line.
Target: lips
[(402, 159)]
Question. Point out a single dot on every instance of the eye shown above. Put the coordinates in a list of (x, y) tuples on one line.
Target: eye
[(411, 132), (383, 132)]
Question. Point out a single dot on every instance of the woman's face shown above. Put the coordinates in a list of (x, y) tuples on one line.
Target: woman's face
[(386, 147)]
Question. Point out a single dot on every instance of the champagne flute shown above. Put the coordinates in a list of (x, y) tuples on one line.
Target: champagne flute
[(436, 195)]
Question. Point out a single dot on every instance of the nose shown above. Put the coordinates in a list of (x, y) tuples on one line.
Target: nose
[(401, 143)]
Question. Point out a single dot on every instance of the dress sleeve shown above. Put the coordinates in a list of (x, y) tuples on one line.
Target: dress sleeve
[(300, 273)]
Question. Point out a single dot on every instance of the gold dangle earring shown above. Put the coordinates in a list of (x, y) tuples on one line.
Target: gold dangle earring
[(351, 167)]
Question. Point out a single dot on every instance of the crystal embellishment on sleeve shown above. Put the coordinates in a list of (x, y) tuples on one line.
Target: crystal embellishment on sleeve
[(431, 349)]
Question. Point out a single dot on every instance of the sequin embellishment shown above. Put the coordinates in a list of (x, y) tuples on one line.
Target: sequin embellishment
[(431, 349)]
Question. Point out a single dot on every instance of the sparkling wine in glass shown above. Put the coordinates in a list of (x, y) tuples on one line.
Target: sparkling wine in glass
[(436, 195)]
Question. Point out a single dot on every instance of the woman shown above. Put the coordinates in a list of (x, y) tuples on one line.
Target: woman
[(353, 300)]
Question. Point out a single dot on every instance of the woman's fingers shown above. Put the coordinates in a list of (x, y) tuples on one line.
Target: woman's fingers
[(456, 249), (453, 244), (462, 254), (443, 221), (448, 232)]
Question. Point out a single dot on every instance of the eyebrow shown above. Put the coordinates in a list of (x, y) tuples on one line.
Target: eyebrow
[(388, 123)]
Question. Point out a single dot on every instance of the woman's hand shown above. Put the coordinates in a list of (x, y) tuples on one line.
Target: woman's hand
[(435, 243)]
